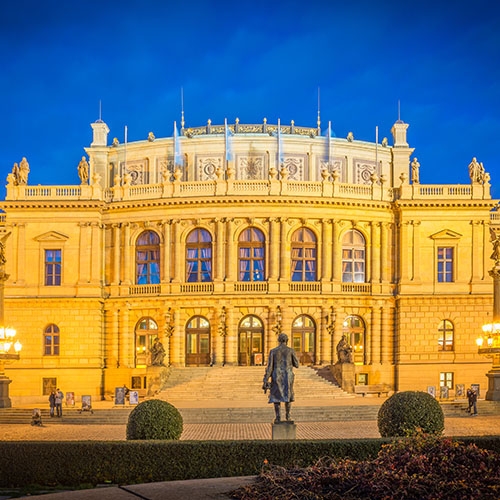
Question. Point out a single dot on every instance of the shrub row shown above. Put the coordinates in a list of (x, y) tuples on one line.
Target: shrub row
[(72, 463)]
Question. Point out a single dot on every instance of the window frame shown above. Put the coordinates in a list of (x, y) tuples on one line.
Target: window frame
[(256, 269), (52, 268), (149, 275), (201, 261), (303, 252), (53, 348), (443, 274), (353, 263), (444, 344)]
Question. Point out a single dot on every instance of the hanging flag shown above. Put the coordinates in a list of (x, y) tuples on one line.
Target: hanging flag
[(178, 158), (228, 141), (280, 145)]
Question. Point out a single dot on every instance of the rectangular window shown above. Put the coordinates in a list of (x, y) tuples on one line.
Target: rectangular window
[(49, 385), (53, 267), (446, 379), (445, 264)]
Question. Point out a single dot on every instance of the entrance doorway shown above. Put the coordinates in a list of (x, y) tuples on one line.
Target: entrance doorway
[(251, 334), (198, 342), (303, 335)]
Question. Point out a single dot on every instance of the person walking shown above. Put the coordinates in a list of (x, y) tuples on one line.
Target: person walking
[(59, 400), (472, 397), (52, 403)]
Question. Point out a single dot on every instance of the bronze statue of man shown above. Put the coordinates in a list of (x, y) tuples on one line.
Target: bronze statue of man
[(282, 360)]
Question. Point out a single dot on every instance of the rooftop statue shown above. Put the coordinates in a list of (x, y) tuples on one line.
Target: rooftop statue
[(282, 360), (476, 172), (83, 170)]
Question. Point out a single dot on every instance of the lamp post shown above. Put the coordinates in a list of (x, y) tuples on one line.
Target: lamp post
[(489, 342), (9, 350)]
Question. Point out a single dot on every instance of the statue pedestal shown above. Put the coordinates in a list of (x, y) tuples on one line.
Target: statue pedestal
[(285, 430), (5, 401), (344, 374)]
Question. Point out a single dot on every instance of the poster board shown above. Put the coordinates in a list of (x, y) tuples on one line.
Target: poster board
[(476, 387), (119, 395), (86, 403), (431, 389), (443, 392), (70, 399), (460, 390), (133, 397)]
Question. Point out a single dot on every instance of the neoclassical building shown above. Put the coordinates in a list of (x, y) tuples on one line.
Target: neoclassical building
[(217, 238)]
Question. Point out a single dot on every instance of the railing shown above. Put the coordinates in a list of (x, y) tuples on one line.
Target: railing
[(305, 287), (260, 187), (260, 286), (145, 290), (362, 288), (197, 288)]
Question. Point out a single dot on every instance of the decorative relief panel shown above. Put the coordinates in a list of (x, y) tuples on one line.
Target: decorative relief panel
[(296, 168), (251, 167), (336, 164), (363, 170), (206, 167), (165, 169), (138, 171)]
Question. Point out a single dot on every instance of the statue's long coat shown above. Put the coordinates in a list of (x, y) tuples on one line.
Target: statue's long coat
[(280, 365)]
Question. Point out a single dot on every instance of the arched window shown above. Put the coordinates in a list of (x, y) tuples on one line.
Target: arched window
[(147, 257), (353, 257), (355, 333), (303, 333), (251, 340), (251, 255), (445, 335), (198, 342), (199, 256), (146, 332), (303, 255), (51, 340)]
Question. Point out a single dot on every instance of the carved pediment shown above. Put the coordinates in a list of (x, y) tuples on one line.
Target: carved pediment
[(447, 234), (51, 236)]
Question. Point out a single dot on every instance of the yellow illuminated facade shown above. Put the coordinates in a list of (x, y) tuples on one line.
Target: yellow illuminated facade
[(219, 237)]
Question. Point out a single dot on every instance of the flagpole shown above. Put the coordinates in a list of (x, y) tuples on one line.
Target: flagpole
[(329, 143), (279, 144), (125, 152), (376, 148)]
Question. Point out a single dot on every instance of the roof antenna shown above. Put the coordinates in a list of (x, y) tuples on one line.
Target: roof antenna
[(318, 122), (182, 110)]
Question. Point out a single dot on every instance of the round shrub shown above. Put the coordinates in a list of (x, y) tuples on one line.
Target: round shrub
[(154, 419), (406, 412)]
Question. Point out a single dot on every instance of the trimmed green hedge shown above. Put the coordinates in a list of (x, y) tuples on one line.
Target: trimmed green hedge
[(71, 463), (154, 419)]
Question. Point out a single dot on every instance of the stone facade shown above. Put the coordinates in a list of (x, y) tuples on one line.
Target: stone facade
[(218, 238)]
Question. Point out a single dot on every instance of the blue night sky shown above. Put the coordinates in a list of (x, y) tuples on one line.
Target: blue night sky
[(250, 60)]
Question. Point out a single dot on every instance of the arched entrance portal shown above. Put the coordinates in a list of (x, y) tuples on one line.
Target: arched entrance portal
[(303, 334), (250, 334), (198, 342)]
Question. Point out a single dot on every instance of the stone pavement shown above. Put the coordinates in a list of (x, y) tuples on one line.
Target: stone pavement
[(216, 488)]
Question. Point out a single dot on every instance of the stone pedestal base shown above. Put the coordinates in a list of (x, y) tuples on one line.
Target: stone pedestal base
[(5, 401), (493, 393), (285, 430), (344, 374)]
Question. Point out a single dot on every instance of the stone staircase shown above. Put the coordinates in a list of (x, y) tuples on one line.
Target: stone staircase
[(242, 385), (211, 395)]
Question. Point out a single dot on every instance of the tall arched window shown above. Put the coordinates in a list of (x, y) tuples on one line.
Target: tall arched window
[(198, 342), (303, 333), (51, 340), (303, 255), (355, 333), (199, 256), (446, 335), (146, 332), (251, 255), (353, 257), (147, 256), (251, 341)]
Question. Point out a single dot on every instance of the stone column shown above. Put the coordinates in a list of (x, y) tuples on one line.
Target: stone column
[(96, 264), (166, 253), (273, 248), (20, 256), (284, 253), (126, 345), (219, 272), (386, 258), (84, 253), (416, 250), (376, 326), (232, 252), (116, 255), (177, 251), (127, 264), (336, 253), (326, 258), (386, 335), (375, 236)]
